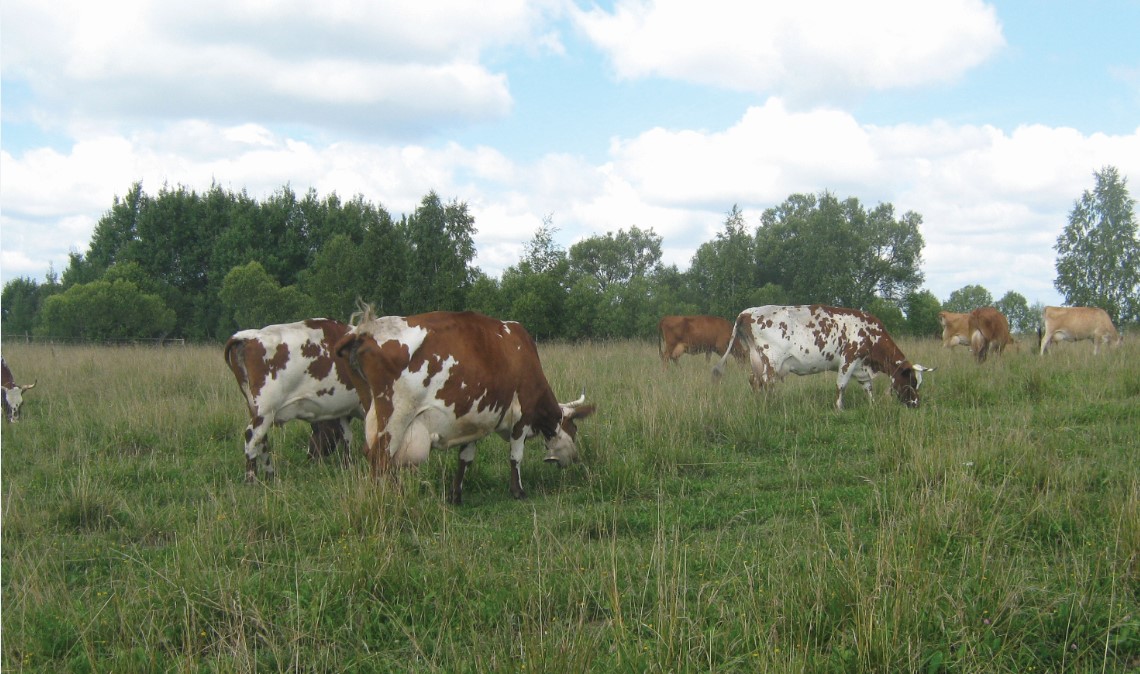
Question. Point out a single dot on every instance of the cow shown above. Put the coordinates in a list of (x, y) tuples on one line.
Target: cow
[(694, 334), (13, 393), (285, 372), (955, 329), (989, 330), (808, 339), (447, 379), (1076, 323)]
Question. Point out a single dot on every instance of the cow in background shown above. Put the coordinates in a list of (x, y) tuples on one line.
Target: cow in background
[(447, 379), (955, 329), (989, 330), (1076, 323), (694, 334), (808, 339), (287, 372), (13, 393)]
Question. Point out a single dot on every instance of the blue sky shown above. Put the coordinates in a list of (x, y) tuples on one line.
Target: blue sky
[(988, 119)]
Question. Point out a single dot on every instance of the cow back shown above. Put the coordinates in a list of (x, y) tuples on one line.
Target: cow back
[(491, 362)]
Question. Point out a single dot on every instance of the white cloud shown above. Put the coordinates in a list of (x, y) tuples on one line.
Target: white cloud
[(365, 68), (808, 51)]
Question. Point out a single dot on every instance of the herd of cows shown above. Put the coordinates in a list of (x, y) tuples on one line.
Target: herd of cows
[(448, 379)]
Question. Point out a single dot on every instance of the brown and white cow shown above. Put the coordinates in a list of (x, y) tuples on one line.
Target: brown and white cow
[(989, 330), (1076, 323), (446, 379), (694, 334), (955, 329), (13, 393), (288, 371), (808, 339)]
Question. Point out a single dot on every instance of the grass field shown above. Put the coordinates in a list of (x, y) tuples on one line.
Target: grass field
[(707, 529)]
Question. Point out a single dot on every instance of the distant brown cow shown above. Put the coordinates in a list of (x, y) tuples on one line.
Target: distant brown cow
[(695, 334), (1076, 323), (955, 329), (988, 329)]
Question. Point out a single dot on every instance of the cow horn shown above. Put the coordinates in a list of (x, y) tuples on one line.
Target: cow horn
[(918, 370), (25, 387), (579, 401)]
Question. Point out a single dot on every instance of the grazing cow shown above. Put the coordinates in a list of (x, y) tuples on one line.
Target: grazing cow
[(694, 334), (808, 339), (955, 329), (13, 393), (446, 379), (989, 329), (288, 372), (1076, 323)]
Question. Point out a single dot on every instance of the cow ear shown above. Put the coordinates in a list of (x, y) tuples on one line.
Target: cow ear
[(580, 412)]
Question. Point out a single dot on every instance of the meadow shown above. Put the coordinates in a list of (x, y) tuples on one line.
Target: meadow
[(706, 529)]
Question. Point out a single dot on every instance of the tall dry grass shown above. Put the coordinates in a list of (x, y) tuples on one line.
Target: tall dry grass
[(708, 528)]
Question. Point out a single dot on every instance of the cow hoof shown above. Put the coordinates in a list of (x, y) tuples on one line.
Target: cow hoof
[(519, 495)]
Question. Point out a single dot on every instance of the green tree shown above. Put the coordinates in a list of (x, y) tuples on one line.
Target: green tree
[(116, 234), (922, 309), (967, 298), (485, 296), (1098, 253), (20, 304), (889, 314), (1016, 310), (441, 248), (822, 250), (254, 299), (619, 268), (105, 310), (724, 270), (534, 291)]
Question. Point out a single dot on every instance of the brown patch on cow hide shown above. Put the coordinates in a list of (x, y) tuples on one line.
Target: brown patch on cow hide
[(279, 360), (310, 349), (253, 353)]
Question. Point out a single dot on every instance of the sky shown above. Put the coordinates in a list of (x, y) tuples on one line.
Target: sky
[(987, 119)]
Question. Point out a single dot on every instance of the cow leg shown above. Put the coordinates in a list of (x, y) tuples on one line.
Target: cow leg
[(257, 448), (845, 372), (865, 378), (762, 371), (377, 440), (327, 437), (516, 458), (345, 439), (1045, 342), (466, 458)]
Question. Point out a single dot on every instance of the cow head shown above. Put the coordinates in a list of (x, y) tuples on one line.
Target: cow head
[(906, 383), (13, 398), (562, 448)]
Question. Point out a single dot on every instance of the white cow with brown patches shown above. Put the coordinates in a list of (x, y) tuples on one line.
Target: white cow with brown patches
[(288, 372), (13, 393), (808, 339), (447, 379), (1074, 324)]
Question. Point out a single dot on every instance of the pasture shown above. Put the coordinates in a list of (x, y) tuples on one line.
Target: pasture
[(995, 529)]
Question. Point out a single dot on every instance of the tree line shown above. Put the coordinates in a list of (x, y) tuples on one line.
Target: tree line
[(200, 265)]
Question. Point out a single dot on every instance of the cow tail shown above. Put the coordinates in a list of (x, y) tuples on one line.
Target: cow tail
[(234, 354), (718, 370)]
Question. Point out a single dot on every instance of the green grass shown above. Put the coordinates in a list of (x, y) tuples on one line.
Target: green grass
[(995, 529)]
